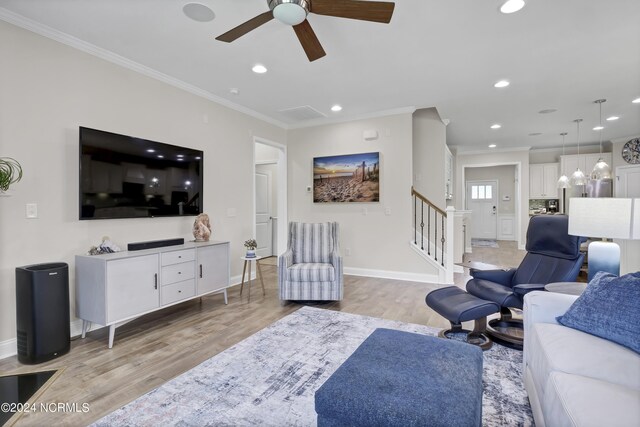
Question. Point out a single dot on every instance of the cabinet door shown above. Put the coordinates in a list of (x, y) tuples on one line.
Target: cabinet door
[(212, 270), (550, 181), (132, 287), (536, 181)]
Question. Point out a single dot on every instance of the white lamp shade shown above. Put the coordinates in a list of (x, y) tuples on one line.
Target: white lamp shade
[(635, 228), (603, 217), (601, 170), (578, 178), (563, 182)]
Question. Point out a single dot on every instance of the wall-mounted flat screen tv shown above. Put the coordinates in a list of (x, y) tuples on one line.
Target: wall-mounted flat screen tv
[(127, 177)]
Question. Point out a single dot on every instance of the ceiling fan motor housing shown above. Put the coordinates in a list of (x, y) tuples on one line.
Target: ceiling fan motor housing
[(289, 12)]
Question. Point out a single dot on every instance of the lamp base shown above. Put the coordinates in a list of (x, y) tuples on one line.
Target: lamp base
[(603, 256)]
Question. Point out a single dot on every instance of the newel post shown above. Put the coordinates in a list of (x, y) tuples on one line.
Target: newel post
[(448, 263)]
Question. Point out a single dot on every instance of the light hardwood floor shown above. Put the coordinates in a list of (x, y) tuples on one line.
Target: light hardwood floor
[(155, 348)]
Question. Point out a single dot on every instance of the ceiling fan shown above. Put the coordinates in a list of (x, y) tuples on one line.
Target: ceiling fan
[(294, 13)]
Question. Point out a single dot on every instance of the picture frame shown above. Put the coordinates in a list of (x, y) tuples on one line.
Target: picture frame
[(347, 178)]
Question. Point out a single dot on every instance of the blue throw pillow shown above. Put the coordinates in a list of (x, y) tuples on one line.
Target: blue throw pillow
[(608, 308)]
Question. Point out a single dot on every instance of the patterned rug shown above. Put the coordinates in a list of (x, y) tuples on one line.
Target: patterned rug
[(270, 378), (484, 243)]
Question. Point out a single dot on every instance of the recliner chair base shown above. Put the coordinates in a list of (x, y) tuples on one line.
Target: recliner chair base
[(475, 337), (506, 330)]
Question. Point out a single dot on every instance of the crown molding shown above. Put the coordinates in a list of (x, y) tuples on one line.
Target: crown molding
[(69, 40)]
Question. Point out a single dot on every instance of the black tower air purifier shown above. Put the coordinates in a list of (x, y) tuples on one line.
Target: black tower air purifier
[(42, 311)]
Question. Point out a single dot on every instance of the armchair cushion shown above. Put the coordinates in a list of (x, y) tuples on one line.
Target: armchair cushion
[(502, 277), (311, 272), (608, 308), (495, 292), (312, 242)]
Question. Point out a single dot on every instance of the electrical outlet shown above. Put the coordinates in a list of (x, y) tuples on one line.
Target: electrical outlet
[(387, 211), (347, 252), (32, 210), (364, 211)]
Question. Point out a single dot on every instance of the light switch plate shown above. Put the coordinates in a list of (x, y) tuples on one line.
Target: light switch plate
[(32, 210)]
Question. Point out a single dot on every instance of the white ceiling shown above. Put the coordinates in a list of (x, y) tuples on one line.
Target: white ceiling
[(443, 53)]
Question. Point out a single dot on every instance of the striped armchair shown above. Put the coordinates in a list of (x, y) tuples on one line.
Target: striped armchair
[(311, 268)]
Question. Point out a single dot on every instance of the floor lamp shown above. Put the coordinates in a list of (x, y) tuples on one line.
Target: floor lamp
[(606, 218)]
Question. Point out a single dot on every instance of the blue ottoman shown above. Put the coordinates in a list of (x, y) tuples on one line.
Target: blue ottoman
[(458, 306), (403, 379)]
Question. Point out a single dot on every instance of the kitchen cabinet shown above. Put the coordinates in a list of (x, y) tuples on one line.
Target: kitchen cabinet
[(543, 180)]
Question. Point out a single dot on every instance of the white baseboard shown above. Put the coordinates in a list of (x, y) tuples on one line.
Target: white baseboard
[(8, 348), (386, 274)]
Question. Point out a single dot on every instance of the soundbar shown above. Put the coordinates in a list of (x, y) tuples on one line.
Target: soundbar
[(137, 246)]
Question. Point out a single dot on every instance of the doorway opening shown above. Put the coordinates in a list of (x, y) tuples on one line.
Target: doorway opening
[(269, 197)]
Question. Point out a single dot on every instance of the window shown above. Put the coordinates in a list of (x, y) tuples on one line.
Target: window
[(481, 192)]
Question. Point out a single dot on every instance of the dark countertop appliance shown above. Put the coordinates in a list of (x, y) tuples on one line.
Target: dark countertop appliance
[(551, 205)]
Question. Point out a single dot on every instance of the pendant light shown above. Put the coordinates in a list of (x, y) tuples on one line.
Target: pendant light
[(563, 181), (601, 170), (578, 178)]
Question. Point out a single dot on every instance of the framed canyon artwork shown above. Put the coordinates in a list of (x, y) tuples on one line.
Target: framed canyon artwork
[(347, 178)]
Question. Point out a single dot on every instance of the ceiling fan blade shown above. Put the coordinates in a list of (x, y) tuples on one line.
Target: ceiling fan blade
[(243, 29), (376, 11), (309, 41)]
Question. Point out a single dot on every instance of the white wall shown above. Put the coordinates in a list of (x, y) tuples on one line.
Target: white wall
[(497, 158), (47, 90), (429, 141), (377, 242)]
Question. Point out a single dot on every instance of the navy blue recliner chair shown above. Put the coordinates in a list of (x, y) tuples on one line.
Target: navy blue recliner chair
[(552, 256)]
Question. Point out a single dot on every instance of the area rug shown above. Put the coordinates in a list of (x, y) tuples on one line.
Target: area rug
[(484, 243), (270, 378)]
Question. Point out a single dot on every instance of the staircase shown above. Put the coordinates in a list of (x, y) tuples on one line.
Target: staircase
[(433, 235)]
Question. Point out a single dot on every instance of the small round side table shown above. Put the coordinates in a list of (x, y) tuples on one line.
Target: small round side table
[(248, 261), (569, 288)]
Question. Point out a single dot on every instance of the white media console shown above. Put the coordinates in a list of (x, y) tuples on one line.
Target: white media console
[(114, 288)]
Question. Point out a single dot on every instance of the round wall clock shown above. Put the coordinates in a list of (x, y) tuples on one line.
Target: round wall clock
[(631, 151)]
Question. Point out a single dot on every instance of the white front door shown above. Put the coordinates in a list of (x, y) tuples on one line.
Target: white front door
[(482, 202), (628, 185), (263, 214)]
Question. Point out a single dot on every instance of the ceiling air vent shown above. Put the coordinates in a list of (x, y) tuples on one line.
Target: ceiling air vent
[(303, 113)]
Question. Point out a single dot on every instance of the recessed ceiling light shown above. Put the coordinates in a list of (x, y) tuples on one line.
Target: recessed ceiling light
[(511, 6), (151, 150), (492, 145), (336, 108), (259, 69), (234, 91), (612, 118), (496, 126), (636, 101), (535, 134), (547, 111), (198, 12), (501, 83), (598, 128)]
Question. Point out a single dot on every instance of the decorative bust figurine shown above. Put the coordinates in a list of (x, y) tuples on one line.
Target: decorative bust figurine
[(202, 228)]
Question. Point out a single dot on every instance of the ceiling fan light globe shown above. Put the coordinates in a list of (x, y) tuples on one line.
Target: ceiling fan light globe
[(290, 13)]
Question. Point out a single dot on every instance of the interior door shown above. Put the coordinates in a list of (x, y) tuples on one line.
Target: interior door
[(264, 233), (482, 201), (628, 185)]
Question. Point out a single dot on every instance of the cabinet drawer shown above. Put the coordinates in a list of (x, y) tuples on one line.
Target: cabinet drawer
[(176, 257), (178, 291), (178, 272)]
